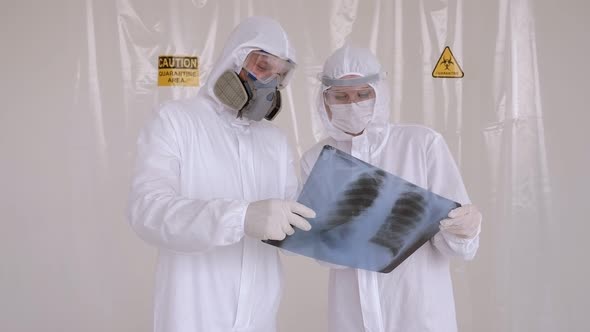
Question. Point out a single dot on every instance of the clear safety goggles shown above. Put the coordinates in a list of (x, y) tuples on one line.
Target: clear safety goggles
[(348, 94), (265, 67)]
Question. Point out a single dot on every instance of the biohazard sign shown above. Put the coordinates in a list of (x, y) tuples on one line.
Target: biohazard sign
[(178, 70), (447, 66)]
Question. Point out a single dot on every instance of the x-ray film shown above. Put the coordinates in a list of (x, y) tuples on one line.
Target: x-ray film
[(366, 218)]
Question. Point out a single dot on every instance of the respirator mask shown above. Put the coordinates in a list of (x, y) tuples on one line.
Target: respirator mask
[(255, 93)]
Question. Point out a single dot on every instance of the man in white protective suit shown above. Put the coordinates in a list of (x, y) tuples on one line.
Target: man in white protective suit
[(213, 178), (354, 107)]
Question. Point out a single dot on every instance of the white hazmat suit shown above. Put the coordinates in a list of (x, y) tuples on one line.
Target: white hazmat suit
[(416, 296), (198, 167)]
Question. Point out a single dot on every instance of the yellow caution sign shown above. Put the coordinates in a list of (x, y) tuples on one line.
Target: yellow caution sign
[(178, 70), (447, 66)]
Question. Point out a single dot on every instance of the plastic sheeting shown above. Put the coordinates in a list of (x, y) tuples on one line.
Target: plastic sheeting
[(80, 81)]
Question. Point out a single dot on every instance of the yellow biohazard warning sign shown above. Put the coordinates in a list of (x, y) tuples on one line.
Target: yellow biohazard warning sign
[(447, 66), (178, 70)]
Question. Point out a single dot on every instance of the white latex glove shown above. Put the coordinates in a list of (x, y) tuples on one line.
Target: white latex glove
[(464, 222), (271, 219)]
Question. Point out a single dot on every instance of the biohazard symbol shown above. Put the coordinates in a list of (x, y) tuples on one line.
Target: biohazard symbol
[(447, 66)]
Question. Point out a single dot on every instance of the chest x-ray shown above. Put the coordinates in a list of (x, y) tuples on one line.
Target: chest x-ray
[(366, 218)]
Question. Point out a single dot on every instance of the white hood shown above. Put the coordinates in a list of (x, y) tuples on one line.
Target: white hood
[(349, 60)]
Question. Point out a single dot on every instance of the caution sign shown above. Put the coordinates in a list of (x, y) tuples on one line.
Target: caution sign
[(447, 66), (178, 70)]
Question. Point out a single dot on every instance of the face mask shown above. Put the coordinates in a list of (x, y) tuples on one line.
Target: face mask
[(251, 98), (352, 118)]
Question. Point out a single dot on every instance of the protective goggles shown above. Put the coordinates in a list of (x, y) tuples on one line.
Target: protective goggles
[(348, 95), (264, 67)]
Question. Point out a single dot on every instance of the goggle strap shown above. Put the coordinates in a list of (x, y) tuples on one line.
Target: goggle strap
[(350, 81)]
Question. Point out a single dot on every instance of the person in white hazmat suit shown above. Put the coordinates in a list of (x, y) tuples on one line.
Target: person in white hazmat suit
[(353, 105), (212, 179)]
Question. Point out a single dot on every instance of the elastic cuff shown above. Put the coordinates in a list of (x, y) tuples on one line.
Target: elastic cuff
[(237, 214)]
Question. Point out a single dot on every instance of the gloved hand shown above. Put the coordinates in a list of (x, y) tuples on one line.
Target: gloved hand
[(271, 219), (464, 221)]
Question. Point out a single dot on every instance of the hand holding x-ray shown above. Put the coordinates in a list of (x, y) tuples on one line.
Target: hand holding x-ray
[(274, 219), (464, 222)]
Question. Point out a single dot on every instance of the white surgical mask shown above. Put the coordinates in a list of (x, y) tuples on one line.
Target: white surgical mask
[(352, 118)]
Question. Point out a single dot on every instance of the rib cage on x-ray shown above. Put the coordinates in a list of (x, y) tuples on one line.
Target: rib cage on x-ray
[(358, 196), (405, 213), (366, 218)]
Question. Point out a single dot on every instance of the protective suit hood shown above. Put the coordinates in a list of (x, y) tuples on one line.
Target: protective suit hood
[(349, 60), (251, 34)]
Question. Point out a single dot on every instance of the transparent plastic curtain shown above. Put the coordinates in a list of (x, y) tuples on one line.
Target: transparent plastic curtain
[(68, 142), (514, 182)]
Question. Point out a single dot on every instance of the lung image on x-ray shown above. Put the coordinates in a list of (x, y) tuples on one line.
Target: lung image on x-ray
[(366, 218)]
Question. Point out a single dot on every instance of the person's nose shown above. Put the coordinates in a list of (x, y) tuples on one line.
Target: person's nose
[(353, 97)]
